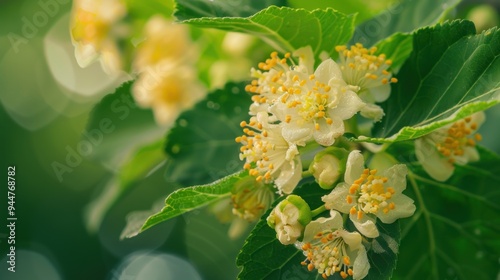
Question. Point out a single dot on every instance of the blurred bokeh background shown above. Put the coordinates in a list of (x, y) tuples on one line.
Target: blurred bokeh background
[(45, 103)]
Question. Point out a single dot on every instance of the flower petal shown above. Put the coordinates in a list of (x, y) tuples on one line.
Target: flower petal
[(380, 93), (327, 71), (396, 176), (336, 199), (333, 222), (361, 265), (349, 105), (365, 225), (404, 207), (296, 134), (327, 133), (306, 57), (372, 111), (289, 177), (433, 163), (353, 239), (354, 166)]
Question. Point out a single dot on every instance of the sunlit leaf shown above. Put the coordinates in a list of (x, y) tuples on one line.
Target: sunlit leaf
[(450, 74), (188, 9), (288, 29), (406, 16), (191, 198)]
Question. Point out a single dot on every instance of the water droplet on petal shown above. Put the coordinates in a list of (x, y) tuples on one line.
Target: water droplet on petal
[(176, 149), (183, 122)]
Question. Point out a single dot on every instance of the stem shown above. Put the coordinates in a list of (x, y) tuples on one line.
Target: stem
[(306, 174), (318, 210)]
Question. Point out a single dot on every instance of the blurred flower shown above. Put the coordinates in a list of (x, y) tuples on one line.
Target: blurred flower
[(251, 198), (94, 31), (367, 196), (223, 211), (309, 105), (452, 144), (234, 63), (168, 79), (361, 67), (289, 218), (269, 157), (164, 40), (331, 249), (168, 89)]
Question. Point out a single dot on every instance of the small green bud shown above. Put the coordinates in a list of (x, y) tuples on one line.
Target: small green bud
[(328, 166), (289, 219)]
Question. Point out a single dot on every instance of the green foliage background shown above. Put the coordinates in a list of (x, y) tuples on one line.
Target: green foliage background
[(51, 212)]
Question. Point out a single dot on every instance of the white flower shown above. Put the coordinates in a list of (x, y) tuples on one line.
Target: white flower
[(309, 105), (94, 32), (273, 158), (167, 88), (367, 196), (289, 218), (164, 40), (452, 144), (331, 249), (251, 198), (316, 105), (361, 67)]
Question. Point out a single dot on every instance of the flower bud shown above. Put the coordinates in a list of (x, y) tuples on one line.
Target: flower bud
[(328, 166), (289, 219)]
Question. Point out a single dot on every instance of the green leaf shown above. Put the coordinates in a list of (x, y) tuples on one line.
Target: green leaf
[(201, 145), (264, 257), (403, 17), (138, 166), (384, 251), (454, 232), (191, 198), (136, 10), (364, 9), (117, 126), (451, 74), (397, 47), (288, 29), (188, 9)]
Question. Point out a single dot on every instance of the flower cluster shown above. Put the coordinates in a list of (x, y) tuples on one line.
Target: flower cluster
[(295, 104), (366, 197), (164, 61)]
